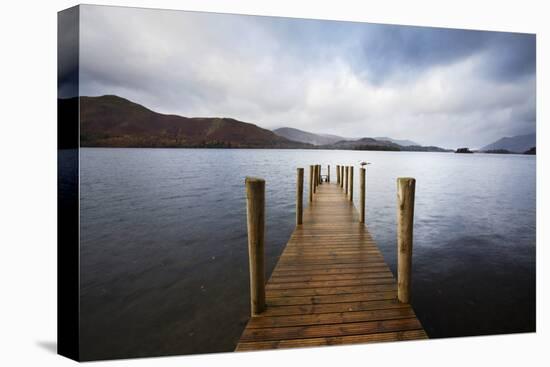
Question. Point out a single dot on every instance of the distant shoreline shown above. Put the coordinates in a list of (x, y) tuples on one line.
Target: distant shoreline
[(276, 148), (269, 148)]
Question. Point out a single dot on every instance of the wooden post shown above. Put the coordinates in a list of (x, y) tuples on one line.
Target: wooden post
[(255, 214), (320, 179), (317, 175), (351, 184), (362, 188), (405, 216), (342, 176), (314, 178), (311, 184), (338, 174), (328, 173), (346, 183), (299, 195)]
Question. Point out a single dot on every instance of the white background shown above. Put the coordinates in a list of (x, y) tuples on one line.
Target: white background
[(28, 182)]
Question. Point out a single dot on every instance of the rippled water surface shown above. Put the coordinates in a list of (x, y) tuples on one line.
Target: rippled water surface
[(164, 267)]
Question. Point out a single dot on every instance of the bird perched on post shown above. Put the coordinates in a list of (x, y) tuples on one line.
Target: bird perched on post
[(363, 164)]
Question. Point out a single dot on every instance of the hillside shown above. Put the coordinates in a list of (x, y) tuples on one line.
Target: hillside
[(112, 121), (365, 144), (306, 136), (382, 143), (404, 143), (375, 144), (515, 144)]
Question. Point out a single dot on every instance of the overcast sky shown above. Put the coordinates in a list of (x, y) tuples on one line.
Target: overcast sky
[(435, 86)]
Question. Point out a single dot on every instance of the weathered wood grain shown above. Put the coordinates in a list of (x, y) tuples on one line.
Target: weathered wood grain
[(331, 284)]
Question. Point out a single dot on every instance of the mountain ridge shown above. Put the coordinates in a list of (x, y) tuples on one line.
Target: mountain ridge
[(514, 144), (327, 141), (307, 136), (402, 142), (374, 144), (113, 121)]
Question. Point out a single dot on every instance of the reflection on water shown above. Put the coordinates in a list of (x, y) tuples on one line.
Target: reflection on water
[(164, 266)]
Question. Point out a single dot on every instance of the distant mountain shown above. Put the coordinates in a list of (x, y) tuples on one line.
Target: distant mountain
[(365, 144), (516, 144), (112, 121), (375, 144), (306, 136), (328, 139), (404, 143)]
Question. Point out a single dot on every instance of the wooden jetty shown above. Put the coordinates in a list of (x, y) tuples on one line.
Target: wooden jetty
[(331, 284)]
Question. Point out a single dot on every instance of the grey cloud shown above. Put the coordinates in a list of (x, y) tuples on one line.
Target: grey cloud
[(443, 87), (511, 56), (410, 51)]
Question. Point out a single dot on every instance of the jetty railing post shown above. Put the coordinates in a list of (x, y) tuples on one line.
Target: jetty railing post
[(405, 216), (299, 195), (351, 183), (255, 214), (314, 178), (362, 189), (311, 184), (338, 174), (346, 183), (328, 173), (316, 175), (320, 178), (342, 176)]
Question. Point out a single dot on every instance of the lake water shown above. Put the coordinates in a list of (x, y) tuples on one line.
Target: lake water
[(164, 262)]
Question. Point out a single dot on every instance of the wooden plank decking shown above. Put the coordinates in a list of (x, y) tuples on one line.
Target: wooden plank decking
[(330, 286)]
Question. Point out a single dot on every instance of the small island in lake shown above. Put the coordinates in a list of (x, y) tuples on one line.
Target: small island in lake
[(463, 150)]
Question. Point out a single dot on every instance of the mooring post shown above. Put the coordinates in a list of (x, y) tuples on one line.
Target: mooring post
[(299, 195), (255, 214), (314, 178), (328, 173), (311, 184), (317, 174), (351, 183), (362, 188), (346, 183), (405, 217)]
